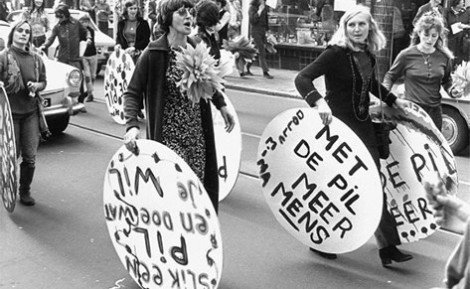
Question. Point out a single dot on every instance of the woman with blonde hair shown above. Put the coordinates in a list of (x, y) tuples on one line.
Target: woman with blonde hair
[(348, 66), (426, 65)]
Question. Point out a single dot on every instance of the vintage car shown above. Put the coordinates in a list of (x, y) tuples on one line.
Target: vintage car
[(455, 119), (104, 44), (62, 90)]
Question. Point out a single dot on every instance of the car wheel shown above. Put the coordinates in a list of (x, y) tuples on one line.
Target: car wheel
[(454, 129), (58, 124)]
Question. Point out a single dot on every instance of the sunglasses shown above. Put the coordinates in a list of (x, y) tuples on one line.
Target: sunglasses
[(21, 30), (183, 11)]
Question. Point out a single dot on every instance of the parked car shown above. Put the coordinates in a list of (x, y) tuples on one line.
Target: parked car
[(62, 90), (455, 119), (104, 44)]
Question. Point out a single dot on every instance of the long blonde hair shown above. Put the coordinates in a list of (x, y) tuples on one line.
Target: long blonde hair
[(427, 22), (375, 40)]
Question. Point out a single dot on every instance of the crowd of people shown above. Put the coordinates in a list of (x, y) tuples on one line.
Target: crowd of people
[(347, 65)]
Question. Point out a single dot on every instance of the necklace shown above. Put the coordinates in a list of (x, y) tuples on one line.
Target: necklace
[(425, 57)]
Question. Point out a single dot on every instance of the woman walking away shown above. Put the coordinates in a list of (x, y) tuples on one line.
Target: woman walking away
[(23, 75), (348, 65)]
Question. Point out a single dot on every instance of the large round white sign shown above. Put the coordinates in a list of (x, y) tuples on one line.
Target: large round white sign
[(228, 148), (418, 151), (320, 182), (118, 74), (161, 220), (8, 166)]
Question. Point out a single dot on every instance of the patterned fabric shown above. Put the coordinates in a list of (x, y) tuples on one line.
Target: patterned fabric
[(182, 126)]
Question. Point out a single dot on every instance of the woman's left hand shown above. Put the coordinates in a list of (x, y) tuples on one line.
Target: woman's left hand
[(33, 86), (228, 118)]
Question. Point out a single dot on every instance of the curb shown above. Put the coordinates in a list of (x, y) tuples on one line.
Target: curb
[(262, 91)]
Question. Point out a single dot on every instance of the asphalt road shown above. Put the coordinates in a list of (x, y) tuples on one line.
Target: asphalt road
[(63, 242)]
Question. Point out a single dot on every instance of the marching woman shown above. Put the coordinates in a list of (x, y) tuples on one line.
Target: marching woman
[(37, 17), (22, 84), (207, 18), (133, 32), (426, 65), (174, 120), (348, 66)]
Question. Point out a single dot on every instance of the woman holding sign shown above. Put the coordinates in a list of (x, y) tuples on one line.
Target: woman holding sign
[(426, 65), (173, 119), (23, 75), (348, 65)]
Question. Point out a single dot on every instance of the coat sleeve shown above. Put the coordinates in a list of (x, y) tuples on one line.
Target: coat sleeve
[(396, 71), (52, 37), (144, 38), (136, 89), (304, 79), (42, 74), (447, 79), (253, 15)]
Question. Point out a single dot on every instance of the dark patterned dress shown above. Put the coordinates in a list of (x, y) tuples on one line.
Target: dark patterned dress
[(182, 127)]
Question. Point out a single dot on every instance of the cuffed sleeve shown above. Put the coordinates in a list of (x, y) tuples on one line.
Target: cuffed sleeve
[(395, 71), (218, 100)]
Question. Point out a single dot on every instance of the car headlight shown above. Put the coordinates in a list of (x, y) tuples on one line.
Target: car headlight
[(74, 78)]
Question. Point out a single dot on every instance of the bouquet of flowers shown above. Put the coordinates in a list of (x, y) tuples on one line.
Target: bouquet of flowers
[(461, 79), (243, 49), (201, 75)]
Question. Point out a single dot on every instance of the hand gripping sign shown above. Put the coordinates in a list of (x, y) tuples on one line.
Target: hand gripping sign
[(418, 151), (228, 148), (320, 182), (161, 220), (8, 172), (118, 73)]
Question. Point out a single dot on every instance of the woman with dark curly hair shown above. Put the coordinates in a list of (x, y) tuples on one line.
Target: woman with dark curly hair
[(133, 32), (207, 18), (38, 20), (23, 75), (174, 120)]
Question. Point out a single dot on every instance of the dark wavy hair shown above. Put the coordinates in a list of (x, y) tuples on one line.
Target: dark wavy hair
[(207, 13), (167, 8), (40, 9), (12, 31), (127, 4), (223, 3)]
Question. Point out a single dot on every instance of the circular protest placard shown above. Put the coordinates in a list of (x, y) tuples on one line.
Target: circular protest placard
[(117, 75), (8, 173), (228, 147), (160, 219), (418, 151), (313, 177)]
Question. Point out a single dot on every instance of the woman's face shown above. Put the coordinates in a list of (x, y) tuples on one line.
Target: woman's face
[(21, 35), (357, 28), (428, 38), (132, 11), (38, 3), (183, 20)]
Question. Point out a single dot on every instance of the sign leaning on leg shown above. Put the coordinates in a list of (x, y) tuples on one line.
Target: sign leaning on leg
[(320, 182), (8, 164), (160, 219)]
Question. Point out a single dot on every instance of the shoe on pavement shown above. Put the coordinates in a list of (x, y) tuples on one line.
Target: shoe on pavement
[(89, 98), (27, 200), (83, 109), (249, 73), (329, 256), (267, 75), (391, 253)]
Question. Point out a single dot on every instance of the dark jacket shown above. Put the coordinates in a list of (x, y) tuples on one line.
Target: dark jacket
[(148, 82), (341, 78), (259, 23), (142, 34), (91, 48), (209, 40), (70, 33)]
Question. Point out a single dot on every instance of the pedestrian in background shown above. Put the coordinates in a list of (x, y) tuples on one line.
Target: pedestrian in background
[(446, 206), (431, 6), (152, 15), (224, 19), (90, 58), (37, 18), (234, 27), (426, 65), (258, 14), (23, 75), (86, 6), (102, 12), (457, 19), (3, 10), (347, 65), (173, 119), (69, 32), (133, 32), (207, 18)]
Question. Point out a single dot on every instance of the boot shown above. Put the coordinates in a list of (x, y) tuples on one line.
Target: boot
[(26, 178), (391, 253), (248, 72)]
